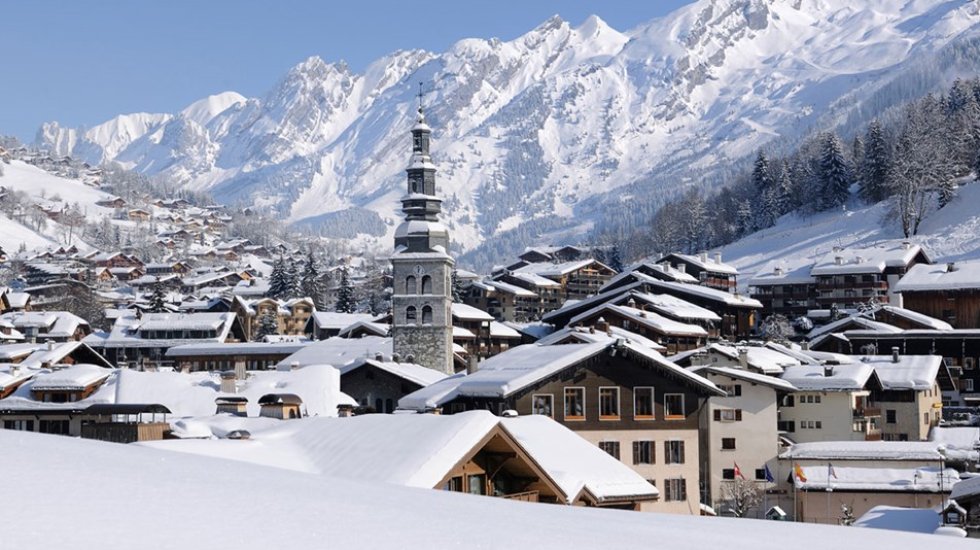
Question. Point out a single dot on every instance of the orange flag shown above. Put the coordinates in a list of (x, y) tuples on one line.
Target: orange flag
[(798, 472)]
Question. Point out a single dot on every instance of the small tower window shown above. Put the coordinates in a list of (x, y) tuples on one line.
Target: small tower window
[(426, 315), (411, 315), (410, 285), (426, 284)]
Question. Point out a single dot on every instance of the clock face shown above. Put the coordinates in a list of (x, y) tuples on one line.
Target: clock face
[(419, 270)]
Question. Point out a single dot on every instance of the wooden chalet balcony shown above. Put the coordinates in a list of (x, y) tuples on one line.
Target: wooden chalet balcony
[(843, 285), (867, 412), (526, 496)]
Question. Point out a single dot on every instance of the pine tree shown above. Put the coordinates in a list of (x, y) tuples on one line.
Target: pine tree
[(875, 165), (310, 282), (765, 188), (279, 284), (457, 287), (268, 325), (835, 177), (157, 300), (346, 301), (293, 281)]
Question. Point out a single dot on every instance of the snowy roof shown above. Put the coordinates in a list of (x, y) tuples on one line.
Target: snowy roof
[(766, 360), (706, 262), (851, 377), (546, 269), (338, 351), (60, 324), (75, 377), (746, 375), (864, 450), (587, 335), (956, 437), (535, 279), (909, 372), (857, 478), (920, 319), (184, 321), (783, 272), (649, 319), (412, 372), (420, 227), (376, 329), (239, 348), (698, 291), (966, 488), (500, 330), (675, 307), (37, 354), (926, 277), (128, 330), (470, 313), (865, 260), (895, 518), (359, 513), (334, 320), (507, 288), (574, 463), (856, 319)]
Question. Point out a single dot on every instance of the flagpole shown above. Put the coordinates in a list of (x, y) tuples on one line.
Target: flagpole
[(828, 493)]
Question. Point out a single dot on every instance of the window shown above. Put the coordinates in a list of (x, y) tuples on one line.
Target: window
[(644, 452), (967, 384), (411, 314), (788, 426), (477, 484), (728, 415), (925, 418), (674, 406), (543, 403), (643, 403), (426, 315), (22, 425), (728, 443), (610, 447), (728, 473), (733, 390), (968, 363), (574, 403), (675, 490), (760, 474), (890, 416), (608, 403), (426, 284), (410, 285), (59, 427), (673, 452), (454, 484), (789, 401)]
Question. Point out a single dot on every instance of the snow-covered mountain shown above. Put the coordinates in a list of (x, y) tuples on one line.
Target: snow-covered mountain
[(550, 131)]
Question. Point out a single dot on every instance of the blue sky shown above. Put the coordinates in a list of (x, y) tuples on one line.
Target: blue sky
[(81, 63)]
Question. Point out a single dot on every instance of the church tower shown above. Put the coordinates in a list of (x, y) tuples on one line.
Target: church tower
[(421, 266)]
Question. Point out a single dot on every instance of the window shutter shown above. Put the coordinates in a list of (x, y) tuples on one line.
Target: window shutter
[(717, 415), (738, 415), (667, 485), (681, 445), (653, 453), (636, 452)]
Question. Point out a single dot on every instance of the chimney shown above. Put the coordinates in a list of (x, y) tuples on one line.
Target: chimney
[(895, 355), (471, 364), (704, 257), (228, 382), (50, 344), (778, 270), (805, 345), (839, 260), (837, 249), (906, 245), (828, 370), (717, 257), (951, 267), (14, 370), (396, 357), (379, 357), (601, 324), (743, 358), (294, 365), (631, 302), (682, 267)]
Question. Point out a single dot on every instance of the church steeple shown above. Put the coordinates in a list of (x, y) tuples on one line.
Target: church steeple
[(421, 301)]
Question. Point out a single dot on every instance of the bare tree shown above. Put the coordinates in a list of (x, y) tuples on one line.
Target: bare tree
[(741, 495)]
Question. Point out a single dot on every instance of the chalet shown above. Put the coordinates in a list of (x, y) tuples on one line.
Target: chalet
[(378, 383), (950, 292), (548, 293), (672, 335), (750, 357), (966, 494), (848, 278), (362, 329), (56, 326), (709, 272), (138, 215), (292, 316), (624, 398), (833, 403), (327, 324), (50, 354), (167, 268), (125, 274), (144, 339), (911, 397), (14, 301), (479, 334), (235, 356), (213, 280), (578, 279), (864, 474), (111, 202), (785, 288), (503, 301)]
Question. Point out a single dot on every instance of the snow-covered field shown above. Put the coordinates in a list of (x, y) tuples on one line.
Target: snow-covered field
[(949, 234), (71, 493)]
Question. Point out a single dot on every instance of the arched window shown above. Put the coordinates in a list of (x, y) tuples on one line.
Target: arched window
[(426, 315), (411, 315), (426, 284), (410, 285)]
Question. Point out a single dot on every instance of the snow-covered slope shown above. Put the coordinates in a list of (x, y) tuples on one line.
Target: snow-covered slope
[(949, 234), (68, 492), (558, 126)]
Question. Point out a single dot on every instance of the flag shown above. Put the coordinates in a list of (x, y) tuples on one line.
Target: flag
[(830, 471), (769, 477), (738, 471), (798, 472)]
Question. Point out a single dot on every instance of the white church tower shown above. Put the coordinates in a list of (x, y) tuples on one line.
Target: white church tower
[(421, 266)]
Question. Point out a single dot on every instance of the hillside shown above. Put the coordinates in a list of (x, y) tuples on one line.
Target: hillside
[(553, 132), (949, 234)]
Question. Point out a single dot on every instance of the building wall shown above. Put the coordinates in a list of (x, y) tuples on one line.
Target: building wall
[(430, 344), (835, 412), (960, 308), (367, 385), (756, 438), (913, 419), (825, 507)]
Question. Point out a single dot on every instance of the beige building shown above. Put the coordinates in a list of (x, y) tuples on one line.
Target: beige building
[(911, 399), (833, 403)]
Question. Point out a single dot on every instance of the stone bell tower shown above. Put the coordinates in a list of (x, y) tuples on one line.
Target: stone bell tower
[(421, 266)]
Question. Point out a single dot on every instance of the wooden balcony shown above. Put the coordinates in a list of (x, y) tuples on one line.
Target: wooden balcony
[(526, 496), (867, 412)]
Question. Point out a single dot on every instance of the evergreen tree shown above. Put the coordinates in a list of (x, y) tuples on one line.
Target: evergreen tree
[(875, 165), (293, 280), (346, 301), (457, 287), (835, 179), (310, 281), (279, 284), (157, 300), (374, 304), (268, 325), (764, 184)]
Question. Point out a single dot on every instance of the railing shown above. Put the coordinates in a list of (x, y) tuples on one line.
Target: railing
[(526, 496), (866, 412)]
